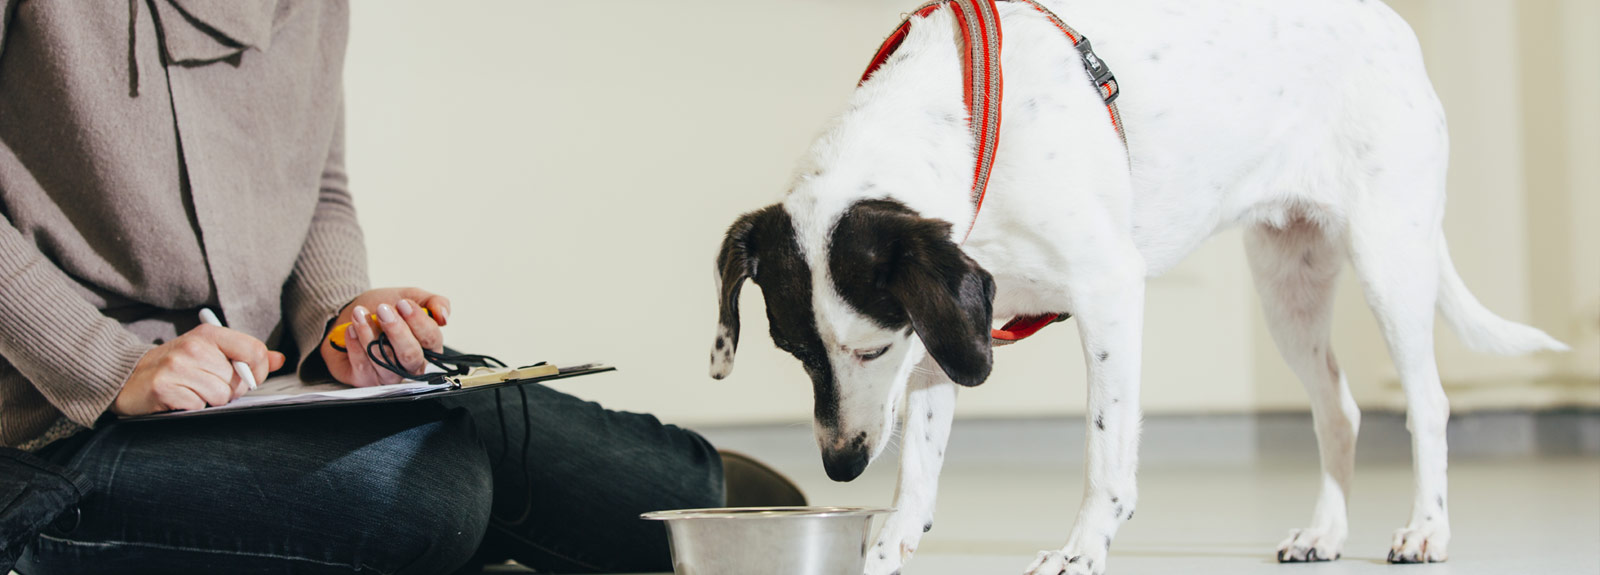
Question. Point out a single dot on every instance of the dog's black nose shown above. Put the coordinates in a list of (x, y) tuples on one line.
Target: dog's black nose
[(847, 462), (844, 465)]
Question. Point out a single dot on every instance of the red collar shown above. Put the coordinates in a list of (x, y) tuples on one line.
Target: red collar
[(980, 70)]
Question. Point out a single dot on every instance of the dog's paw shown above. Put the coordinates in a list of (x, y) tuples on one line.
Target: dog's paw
[(896, 543), (1305, 545), (1065, 563), (881, 562), (1425, 543)]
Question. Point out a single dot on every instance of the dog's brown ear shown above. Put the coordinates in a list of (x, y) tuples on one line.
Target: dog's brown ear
[(736, 262), (949, 299)]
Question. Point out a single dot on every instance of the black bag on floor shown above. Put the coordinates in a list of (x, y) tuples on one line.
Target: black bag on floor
[(33, 493)]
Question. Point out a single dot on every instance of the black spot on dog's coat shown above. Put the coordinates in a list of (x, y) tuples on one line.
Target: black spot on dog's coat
[(900, 269), (1100, 422), (761, 246), (1103, 355), (926, 527)]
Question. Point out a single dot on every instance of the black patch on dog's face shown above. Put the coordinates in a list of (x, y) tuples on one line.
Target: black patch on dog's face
[(902, 270), (762, 246)]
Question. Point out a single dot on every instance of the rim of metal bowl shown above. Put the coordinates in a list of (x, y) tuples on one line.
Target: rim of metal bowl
[(762, 512)]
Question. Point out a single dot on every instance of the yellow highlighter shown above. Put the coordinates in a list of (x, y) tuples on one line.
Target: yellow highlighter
[(336, 335)]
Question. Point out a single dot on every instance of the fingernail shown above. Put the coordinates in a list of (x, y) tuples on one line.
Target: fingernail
[(386, 314), (405, 308), (350, 333), (360, 313), (443, 313)]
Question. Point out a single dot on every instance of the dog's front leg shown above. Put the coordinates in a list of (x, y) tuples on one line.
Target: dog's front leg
[(930, 405), (1110, 319)]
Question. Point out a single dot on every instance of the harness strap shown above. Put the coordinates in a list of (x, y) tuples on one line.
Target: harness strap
[(1097, 68), (979, 21), (1023, 326)]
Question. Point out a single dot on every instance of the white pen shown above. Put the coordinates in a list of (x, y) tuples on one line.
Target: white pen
[(243, 368)]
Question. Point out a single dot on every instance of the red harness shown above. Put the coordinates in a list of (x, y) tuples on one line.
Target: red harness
[(980, 31)]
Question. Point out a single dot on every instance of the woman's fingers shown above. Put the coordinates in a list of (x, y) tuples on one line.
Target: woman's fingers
[(361, 374), (176, 398), (407, 350), (365, 335), (238, 346), (422, 327), (439, 305), (214, 390)]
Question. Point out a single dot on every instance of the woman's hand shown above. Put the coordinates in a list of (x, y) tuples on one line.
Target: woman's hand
[(400, 315), (193, 371)]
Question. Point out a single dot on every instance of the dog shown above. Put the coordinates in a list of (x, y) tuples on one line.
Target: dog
[(1312, 125)]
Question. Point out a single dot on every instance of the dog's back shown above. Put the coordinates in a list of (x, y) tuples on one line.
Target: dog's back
[(1232, 108)]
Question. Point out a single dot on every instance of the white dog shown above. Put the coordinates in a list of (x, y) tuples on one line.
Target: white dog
[(1311, 124)]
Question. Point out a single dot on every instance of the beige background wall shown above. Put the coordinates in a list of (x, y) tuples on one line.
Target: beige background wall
[(564, 172)]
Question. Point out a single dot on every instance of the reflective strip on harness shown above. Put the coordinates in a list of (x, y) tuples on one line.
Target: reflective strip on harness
[(980, 70), (979, 21)]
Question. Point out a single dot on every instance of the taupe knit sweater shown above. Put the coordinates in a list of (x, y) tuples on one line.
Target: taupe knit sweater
[(156, 157)]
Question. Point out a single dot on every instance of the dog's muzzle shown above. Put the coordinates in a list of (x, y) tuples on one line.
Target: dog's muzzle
[(847, 461)]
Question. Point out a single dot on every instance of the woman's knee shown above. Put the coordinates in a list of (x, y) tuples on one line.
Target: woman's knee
[(697, 467), (355, 491), (431, 515)]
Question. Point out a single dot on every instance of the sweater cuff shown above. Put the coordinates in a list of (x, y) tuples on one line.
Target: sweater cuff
[(75, 356), (310, 324), (96, 400)]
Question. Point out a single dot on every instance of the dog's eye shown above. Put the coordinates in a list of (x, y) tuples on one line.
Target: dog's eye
[(871, 355)]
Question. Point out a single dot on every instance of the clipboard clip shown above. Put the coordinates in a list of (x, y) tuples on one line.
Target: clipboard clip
[(480, 376)]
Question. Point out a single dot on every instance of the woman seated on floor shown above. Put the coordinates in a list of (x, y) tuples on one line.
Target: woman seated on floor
[(163, 157)]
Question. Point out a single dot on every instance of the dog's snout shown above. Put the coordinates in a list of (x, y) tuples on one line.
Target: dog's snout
[(845, 460)]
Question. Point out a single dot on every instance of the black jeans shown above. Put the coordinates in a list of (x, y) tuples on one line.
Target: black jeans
[(536, 475)]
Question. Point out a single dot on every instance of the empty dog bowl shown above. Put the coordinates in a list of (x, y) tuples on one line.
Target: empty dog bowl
[(769, 540)]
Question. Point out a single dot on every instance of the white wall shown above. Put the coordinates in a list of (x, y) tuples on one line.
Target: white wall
[(564, 171)]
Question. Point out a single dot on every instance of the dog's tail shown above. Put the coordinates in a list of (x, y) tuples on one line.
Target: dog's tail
[(1479, 328)]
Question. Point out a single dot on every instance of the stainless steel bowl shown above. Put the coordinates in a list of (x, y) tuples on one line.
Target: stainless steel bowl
[(769, 540)]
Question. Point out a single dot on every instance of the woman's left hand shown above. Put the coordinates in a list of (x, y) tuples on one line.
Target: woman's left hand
[(401, 317)]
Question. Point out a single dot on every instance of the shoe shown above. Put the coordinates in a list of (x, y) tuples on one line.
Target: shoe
[(751, 483)]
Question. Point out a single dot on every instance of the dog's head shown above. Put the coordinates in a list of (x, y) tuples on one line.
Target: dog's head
[(887, 288)]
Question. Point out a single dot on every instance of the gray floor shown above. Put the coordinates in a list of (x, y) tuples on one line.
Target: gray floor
[(1217, 494), (1511, 516)]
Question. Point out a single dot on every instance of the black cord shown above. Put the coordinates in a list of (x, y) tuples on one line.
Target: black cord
[(527, 474), (505, 441), (381, 352)]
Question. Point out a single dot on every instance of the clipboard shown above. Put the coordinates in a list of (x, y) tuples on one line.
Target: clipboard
[(479, 379)]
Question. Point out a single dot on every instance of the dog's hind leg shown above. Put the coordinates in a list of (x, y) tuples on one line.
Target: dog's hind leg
[(930, 407), (1295, 268), (1395, 234)]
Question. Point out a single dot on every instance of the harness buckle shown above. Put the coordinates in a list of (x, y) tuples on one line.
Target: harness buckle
[(1098, 70)]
